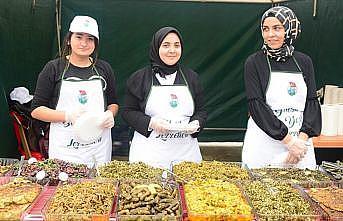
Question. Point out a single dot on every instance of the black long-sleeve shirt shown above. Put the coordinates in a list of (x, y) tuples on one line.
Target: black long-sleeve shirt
[(137, 91), (49, 81), (256, 76)]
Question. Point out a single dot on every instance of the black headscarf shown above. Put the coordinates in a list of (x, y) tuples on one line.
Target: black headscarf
[(292, 30), (157, 65)]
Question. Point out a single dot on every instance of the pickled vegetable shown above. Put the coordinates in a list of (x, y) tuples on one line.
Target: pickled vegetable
[(278, 201), (209, 170), (4, 169), (294, 175), (330, 199), (125, 170), (142, 200), (87, 198), (216, 199), (53, 167), (16, 196)]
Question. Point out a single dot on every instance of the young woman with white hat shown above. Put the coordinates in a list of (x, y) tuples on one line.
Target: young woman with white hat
[(72, 85)]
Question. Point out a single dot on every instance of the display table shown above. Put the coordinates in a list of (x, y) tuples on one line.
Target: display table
[(328, 141), (328, 148)]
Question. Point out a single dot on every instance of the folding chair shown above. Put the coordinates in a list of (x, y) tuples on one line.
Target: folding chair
[(22, 135)]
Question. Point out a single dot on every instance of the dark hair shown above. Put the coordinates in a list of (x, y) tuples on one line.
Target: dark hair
[(270, 14), (66, 48)]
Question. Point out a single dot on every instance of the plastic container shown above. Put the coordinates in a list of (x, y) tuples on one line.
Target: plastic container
[(81, 200), (34, 211), (121, 170), (271, 197), (87, 128), (187, 171), (15, 211), (52, 168), (225, 216), (145, 184), (335, 169), (8, 161), (333, 214), (318, 215), (292, 174)]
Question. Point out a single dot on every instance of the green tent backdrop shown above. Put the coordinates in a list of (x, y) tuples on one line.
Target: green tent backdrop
[(218, 37)]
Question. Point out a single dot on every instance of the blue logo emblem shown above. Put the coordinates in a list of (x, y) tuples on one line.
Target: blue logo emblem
[(173, 100), (82, 96), (292, 88)]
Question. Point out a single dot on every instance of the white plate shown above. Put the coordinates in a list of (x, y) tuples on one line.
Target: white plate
[(87, 128), (180, 127)]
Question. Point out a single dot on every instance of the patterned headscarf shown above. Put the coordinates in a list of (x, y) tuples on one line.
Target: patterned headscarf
[(292, 30)]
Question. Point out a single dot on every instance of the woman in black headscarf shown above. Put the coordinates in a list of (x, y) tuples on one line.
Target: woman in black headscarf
[(281, 93), (164, 104)]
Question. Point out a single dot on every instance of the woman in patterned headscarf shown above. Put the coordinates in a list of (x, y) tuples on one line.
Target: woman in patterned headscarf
[(281, 93)]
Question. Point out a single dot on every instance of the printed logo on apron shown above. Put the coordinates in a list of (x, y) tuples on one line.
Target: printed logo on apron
[(286, 96), (175, 104), (173, 100), (83, 97), (292, 89)]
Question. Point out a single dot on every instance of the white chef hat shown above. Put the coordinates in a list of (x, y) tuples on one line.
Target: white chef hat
[(85, 24), (21, 94)]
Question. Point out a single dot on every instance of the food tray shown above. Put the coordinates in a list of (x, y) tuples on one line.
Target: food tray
[(154, 200), (291, 175), (237, 205), (336, 200), (29, 198), (279, 201), (121, 170), (34, 212), (80, 199), (52, 168), (319, 213), (335, 169), (187, 171), (7, 162)]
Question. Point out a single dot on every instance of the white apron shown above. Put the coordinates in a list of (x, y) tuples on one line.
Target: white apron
[(173, 103), (286, 96), (63, 143)]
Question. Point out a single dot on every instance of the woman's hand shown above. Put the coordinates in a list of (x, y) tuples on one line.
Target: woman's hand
[(297, 149), (107, 119), (193, 127), (160, 126), (303, 136), (292, 159)]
